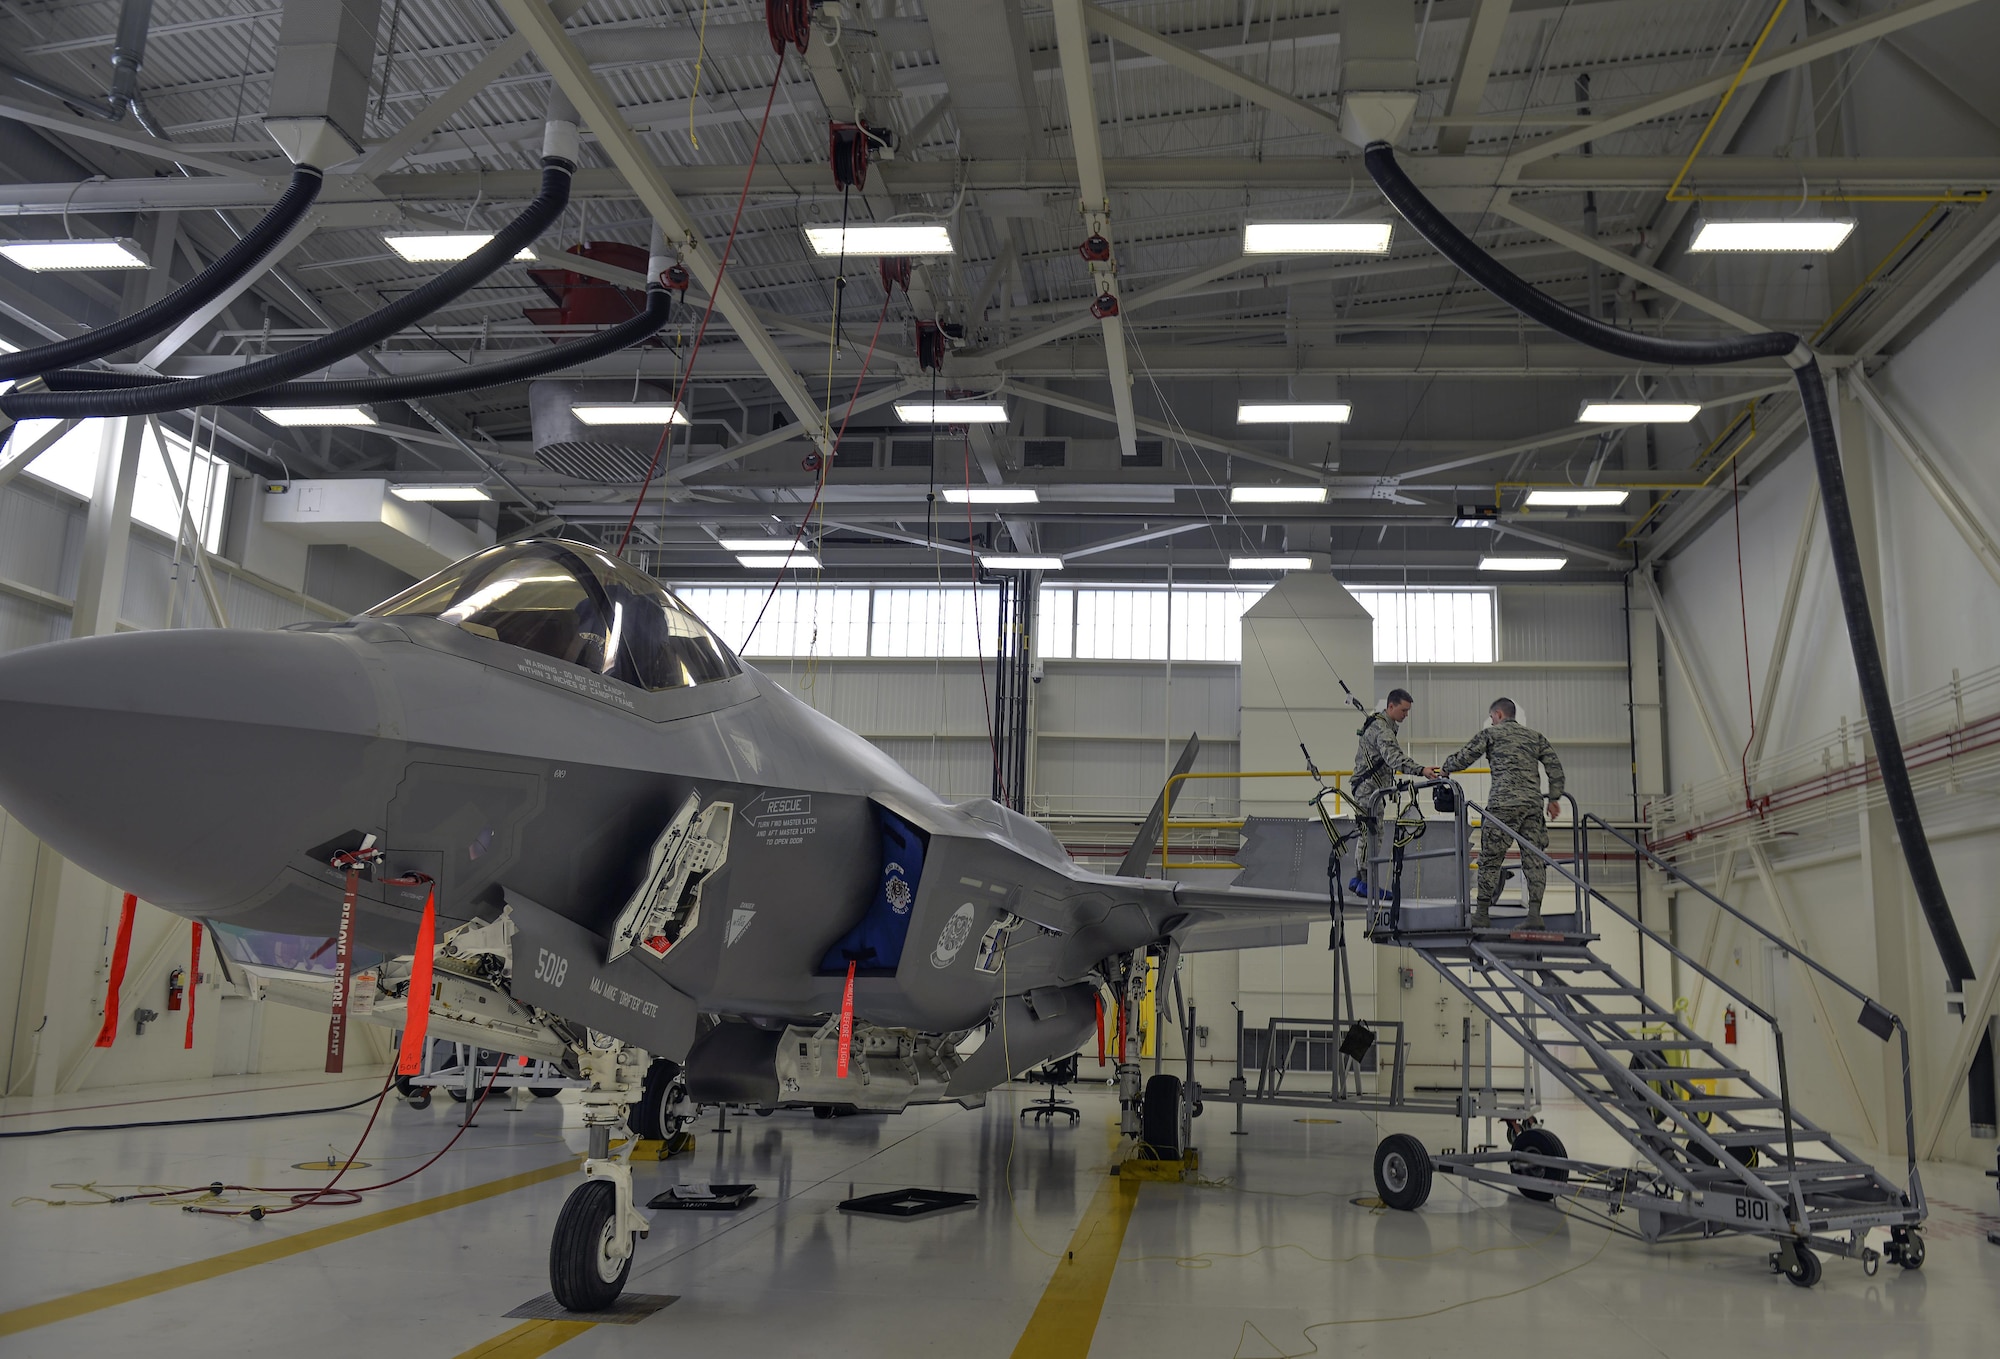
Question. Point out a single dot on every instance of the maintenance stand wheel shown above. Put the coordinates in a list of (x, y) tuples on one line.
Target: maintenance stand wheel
[(1905, 1248), (545, 1091), (1803, 1274), (1540, 1142), (661, 1110), (583, 1274), (1160, 1118), (1402, 1172)]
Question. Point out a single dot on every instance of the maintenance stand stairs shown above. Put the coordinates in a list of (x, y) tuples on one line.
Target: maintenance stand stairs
[(1717, 1151)]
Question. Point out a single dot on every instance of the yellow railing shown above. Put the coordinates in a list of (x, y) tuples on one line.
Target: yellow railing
[(1169, 825)]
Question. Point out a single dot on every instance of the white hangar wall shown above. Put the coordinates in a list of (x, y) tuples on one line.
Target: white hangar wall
[(1833, 860)]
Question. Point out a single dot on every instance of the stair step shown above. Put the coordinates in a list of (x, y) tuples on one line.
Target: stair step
[(1719, 1103), (1654, 1045), (1758, 1137), (1665, 1074), (1590, 990)]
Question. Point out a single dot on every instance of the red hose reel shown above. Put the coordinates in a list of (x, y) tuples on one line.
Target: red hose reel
[(788, 21)]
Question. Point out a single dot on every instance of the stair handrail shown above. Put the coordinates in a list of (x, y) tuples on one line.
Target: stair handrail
[(1872, 1009), (1581, 817)]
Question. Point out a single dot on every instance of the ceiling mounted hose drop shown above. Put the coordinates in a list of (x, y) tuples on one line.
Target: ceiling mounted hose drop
[(1524, 297)]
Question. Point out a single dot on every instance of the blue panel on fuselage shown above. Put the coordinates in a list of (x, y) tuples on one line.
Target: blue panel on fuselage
[(875, 944)]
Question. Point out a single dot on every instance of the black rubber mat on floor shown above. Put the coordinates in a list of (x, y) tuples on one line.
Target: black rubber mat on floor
[(907, 1202), (630, 1309), (720, 1198)]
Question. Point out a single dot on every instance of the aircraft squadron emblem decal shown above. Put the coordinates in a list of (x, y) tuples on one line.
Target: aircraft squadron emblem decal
[(952, 938), (896, 888)]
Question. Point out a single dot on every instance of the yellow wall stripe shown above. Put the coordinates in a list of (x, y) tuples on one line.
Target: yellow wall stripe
[(529, 1339), (147, 1285), (1066, 1318)]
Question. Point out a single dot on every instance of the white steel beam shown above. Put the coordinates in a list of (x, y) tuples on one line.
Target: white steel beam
[(617, 140), (1876, 25), (1475, 63), (1625, 264), (1186, 59), (1962, 516), (1094, 201), (462, 92), (1781, 640)]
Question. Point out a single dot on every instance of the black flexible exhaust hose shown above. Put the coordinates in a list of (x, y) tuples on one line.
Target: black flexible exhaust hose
[(1517, 293), (416, 386), (217, 389), (177, 306)]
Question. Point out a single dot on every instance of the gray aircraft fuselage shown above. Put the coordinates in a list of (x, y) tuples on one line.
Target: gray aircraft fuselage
[(214, 774)]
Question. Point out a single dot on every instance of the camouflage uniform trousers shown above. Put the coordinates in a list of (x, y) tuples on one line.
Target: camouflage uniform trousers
[(1494, 843)]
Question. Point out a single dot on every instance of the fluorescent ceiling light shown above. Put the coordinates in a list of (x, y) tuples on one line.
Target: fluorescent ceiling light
[(1815, 236), (1637, 412), (891, 238), (797, 561), (754, 545), (952, 412), (1316, 238), (1017, 561), (992, 495), (1293, 412), (436, 247), (317, 415), (1490, 563), (629, 413), (96, 253), (458, 492), (1277, 495), (1579, 497), (1270, 563)]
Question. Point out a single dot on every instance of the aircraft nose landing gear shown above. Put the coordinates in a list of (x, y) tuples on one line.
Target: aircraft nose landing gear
[(598, 1230)]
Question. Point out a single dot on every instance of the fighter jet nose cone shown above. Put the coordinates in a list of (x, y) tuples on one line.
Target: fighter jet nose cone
[(190, 766)]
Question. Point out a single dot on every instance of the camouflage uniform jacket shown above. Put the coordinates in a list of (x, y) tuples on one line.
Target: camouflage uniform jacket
[(1513, 752), (1378, 758)]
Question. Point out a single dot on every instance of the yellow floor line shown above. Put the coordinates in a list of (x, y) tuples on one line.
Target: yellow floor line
[(1065, 1320), (148, 1285), (529, 1339)]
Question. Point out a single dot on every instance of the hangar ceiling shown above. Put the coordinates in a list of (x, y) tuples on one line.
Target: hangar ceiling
[(1553, 130)]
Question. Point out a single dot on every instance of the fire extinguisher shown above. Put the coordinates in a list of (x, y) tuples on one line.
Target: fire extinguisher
[(1729, 1026), (176, 984)]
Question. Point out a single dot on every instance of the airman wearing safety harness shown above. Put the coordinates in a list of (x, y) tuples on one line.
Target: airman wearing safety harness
[(1378, 759), (1517, 756)]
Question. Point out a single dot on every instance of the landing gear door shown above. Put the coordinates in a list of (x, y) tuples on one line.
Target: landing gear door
[(668, 903)]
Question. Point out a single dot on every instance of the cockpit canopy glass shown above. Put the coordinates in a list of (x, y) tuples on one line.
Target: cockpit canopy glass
[(576, 603)]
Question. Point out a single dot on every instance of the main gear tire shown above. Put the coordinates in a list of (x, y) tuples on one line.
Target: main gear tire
[(1160, 1118), (662, 1109)]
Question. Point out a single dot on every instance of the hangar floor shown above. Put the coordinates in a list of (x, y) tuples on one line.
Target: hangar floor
[(1278, 1259)]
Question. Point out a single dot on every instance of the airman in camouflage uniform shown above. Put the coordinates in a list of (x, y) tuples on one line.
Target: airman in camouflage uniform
[(1517, 755), (1379, 758)]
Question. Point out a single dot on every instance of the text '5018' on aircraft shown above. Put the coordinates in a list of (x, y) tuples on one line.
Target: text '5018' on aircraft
[(650, 862)]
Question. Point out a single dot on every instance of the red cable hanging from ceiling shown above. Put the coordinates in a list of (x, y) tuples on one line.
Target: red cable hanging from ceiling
[(722, 269)]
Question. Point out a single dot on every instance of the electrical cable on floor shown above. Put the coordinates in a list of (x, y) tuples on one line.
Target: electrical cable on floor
[(190, 1122), (1307, 1331)]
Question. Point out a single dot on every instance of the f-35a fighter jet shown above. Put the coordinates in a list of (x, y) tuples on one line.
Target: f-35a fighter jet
[(649, 862)]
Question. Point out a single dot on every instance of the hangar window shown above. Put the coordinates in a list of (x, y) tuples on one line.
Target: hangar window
[(71, 463), (1438, 627), (1141, 625), (576, 604)]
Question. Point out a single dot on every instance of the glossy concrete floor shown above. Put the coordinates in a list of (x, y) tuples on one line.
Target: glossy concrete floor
[(1276, 1257)]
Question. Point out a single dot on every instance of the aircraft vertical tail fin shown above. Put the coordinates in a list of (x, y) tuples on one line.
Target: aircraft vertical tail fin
[(1148, 839)]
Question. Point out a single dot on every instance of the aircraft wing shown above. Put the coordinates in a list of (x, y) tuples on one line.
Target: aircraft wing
[(1246, 917)]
